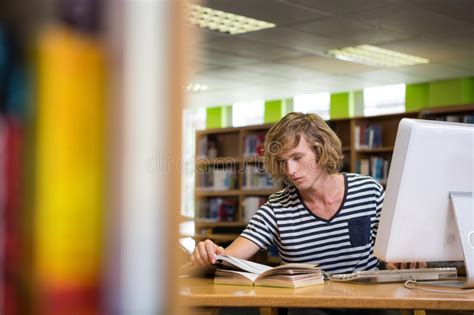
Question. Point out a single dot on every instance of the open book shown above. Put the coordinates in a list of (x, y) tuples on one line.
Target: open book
[(237, 271)]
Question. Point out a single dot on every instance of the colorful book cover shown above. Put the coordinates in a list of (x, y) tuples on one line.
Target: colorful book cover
[(13, 101), (69, 172), (12, 237)]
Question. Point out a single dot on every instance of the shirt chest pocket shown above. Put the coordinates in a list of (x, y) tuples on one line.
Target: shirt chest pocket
[(359, 231)]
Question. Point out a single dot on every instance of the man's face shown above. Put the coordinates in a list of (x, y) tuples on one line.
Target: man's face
[(299, 165)]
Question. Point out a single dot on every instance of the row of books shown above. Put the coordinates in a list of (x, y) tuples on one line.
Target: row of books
[(208, 147), (375, 166), (255, 177), (467, 118), (219, 209), (219, 179), (368, 136), (254, 145)]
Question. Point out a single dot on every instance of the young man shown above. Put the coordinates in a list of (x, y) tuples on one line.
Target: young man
[(322, 216)]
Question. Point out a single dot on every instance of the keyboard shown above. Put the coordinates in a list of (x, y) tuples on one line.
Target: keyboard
[(397, 275)]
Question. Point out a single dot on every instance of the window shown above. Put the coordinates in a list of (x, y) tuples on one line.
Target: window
[(384, 99), (193, 119), (313, 103), (247, 113)]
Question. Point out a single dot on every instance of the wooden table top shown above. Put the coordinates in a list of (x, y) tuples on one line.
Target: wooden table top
[(203, 293)]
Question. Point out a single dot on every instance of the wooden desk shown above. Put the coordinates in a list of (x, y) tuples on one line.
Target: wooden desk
[(203, 293)]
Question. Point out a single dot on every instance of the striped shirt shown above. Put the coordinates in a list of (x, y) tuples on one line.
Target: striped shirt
[(342, 244)]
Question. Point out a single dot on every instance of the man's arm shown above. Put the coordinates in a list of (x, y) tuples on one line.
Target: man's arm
[(205, 252), (242, 248)]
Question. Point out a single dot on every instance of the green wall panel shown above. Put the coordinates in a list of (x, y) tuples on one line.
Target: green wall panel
[(276, 109), (213, 117), (219, 117), (357, 104), (272, 111), (350, 104), (340, 106), (451, 92), (416, 96)]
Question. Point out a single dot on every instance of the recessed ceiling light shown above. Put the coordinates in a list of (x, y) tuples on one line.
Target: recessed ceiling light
[(224, 22), (375, 56), (196, 87)]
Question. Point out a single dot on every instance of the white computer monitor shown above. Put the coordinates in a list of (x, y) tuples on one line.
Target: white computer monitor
[(431, 160)]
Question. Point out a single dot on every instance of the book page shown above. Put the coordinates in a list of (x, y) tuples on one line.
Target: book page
[(236, 274), (289, 281), (242, 264), (292, 269)]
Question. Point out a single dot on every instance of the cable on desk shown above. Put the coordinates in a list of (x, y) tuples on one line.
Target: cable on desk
[(414, 285)]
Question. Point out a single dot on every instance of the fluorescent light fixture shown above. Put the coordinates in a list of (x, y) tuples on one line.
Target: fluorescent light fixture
[(224, 22), (196, 87), (375, 56)]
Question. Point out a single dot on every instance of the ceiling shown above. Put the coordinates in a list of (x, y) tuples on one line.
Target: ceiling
[(289, 60)]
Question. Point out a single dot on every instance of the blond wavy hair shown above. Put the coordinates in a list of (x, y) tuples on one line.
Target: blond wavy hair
[(286, 135)]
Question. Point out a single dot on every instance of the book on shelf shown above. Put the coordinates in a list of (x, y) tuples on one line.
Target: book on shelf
[(462, 118), (218, 179), (69, 180), (368, 136), (219, 209), (208, 147), (468, 119), (235, 271), (362, 166), (254, 145), (375, 166), (256, 177), (453, 118)]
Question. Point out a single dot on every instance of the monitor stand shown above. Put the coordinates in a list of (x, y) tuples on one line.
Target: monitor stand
[(463, 206)]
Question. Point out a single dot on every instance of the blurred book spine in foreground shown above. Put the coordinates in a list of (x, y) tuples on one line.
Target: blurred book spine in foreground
[(13, 100), (70, 168)]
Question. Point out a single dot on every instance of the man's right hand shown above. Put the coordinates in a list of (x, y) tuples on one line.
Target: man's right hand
[(205, 253)]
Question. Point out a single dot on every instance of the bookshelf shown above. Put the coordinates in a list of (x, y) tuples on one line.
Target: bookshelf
[(459, 113), (367, 145), (372, 143), (230, 181)]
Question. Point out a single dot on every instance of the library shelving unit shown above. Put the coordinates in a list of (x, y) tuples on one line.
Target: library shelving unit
[(372, 143), (231, 183), (459, 113)]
